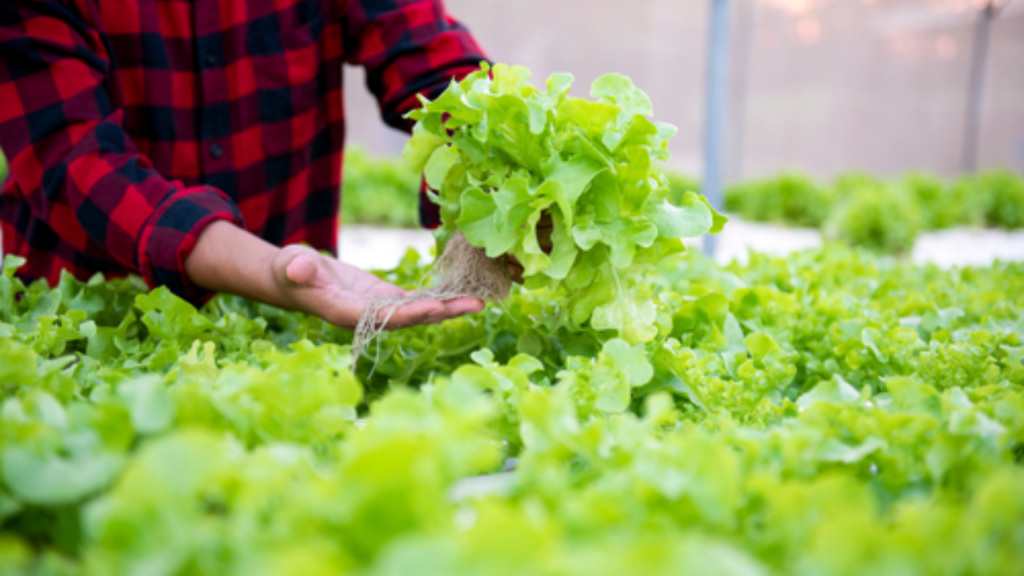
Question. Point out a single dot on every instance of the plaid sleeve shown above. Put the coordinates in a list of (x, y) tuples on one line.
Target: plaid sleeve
[(71, 158), (407, 47)]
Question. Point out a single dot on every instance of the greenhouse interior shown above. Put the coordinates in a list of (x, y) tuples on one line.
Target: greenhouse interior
[(576, 287)]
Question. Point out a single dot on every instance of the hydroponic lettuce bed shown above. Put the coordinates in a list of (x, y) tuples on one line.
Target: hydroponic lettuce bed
[(369, 247), (826, 413)]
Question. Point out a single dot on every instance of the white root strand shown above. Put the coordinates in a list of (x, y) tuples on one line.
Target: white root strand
[(463, 270)]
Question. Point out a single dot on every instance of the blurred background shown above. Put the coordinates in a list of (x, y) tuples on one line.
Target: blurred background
[(892, 125), (819, 86)]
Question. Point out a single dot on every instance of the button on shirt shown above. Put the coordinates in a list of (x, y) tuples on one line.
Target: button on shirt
[(133, 124)]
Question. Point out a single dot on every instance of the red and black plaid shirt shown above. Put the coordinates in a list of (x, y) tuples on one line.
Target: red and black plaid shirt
[(132, 124)]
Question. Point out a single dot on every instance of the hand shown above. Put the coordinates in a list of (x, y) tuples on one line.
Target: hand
[(544, 229), (229, 259), (339, 292)]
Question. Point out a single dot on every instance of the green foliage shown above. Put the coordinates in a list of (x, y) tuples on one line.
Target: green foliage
[(1004, 198), (881, 215), (378, 191), (938, 203), (827, 413), (791, 198), (3, 167), (503, 155), (989, 199), (679, 184)]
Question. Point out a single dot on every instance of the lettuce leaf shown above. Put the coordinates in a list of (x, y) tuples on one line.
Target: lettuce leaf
[(502, 153)]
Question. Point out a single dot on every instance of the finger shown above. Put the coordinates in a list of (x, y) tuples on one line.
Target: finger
[(462, 306), (447, 310), (415, 313), (457, 307), (301, 270)]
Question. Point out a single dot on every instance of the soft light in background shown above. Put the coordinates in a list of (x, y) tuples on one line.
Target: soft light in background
[(817, 85)]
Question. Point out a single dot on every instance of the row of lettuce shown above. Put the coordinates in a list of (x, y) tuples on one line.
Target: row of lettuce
[(829, 413), (884, 215), (881, 215), (379, 191)]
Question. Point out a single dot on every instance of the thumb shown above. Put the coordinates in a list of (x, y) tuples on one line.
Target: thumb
[(301, 270)]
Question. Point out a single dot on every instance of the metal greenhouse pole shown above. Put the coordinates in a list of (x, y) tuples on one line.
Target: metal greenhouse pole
[(976, 84), (714, 108), (979, 57)]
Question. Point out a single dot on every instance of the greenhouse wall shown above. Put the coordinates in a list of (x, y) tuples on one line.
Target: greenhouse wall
[(817, 85)]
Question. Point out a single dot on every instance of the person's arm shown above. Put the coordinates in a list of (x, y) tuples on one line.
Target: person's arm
[(407, 47), (70, 156), (229, 259), (83, 175)]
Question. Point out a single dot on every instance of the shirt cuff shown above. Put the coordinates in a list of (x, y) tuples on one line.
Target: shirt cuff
[(170, 235), (398, 119)]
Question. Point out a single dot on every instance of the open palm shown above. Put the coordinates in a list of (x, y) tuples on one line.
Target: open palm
[(339, 293)]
